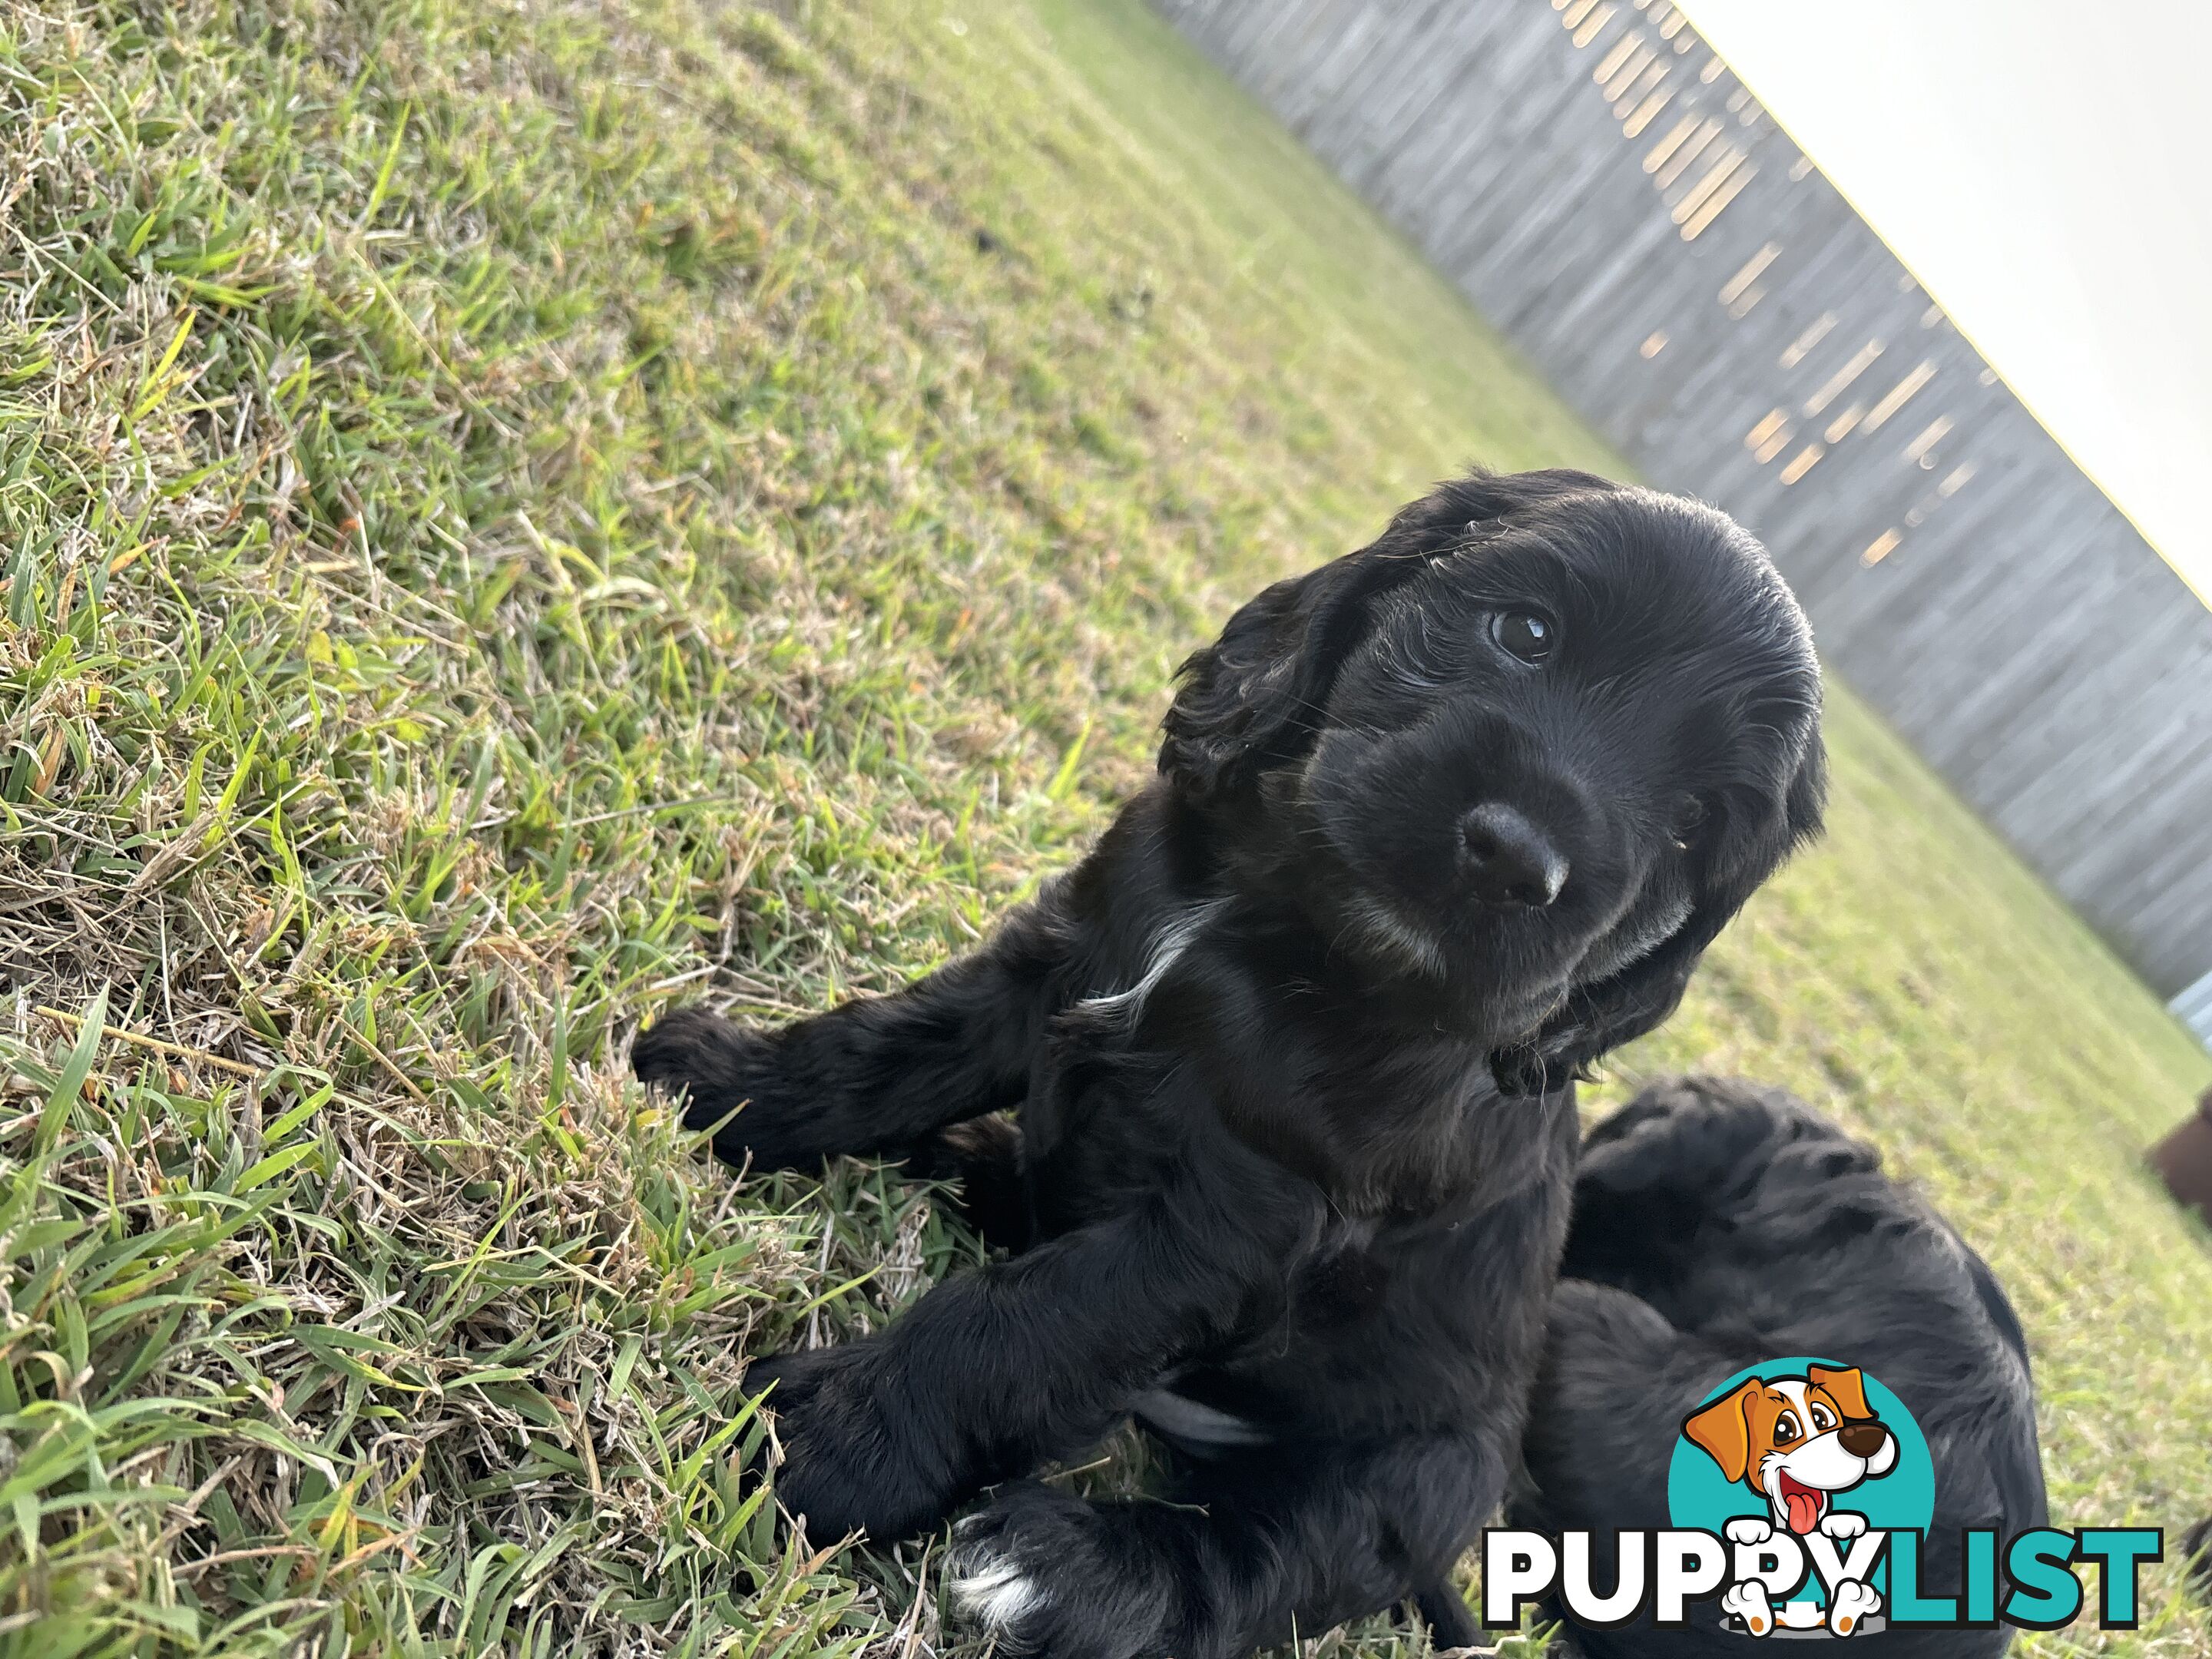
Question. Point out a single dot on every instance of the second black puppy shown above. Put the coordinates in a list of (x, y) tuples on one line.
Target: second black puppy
[(1436, 826), (1719, 1224)]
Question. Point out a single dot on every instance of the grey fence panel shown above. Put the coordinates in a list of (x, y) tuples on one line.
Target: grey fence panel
[(1594, 179)]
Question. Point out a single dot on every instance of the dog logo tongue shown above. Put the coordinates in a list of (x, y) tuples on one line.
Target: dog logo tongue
[(1804, 1504)]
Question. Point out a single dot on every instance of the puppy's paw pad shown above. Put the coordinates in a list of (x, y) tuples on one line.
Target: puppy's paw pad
[(1841, 1523), (1749, 1529), (1848, 1608)]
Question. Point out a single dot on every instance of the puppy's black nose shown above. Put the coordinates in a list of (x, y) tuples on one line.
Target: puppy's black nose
[(1509, 860), (1862, 1439)]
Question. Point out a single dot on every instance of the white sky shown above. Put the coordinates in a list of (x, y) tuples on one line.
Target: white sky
[(2046, 169)]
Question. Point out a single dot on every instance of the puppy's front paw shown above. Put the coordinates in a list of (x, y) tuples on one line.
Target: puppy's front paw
[(1841, 1523), (1748, 1602), (853, 1462), (1749, 1529), (1851, 1604), (1051, 1575), (732, 1081)]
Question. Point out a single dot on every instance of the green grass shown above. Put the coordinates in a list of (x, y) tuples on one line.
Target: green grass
[(511, 517)]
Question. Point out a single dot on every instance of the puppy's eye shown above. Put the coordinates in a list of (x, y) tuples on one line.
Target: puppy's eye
[(1525, 634), (1689, 817), (1822, 1421), (1785, 1428)]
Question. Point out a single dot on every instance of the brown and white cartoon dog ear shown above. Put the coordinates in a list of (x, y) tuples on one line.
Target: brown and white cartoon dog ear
[(1846, 1387), (1723, 1429)]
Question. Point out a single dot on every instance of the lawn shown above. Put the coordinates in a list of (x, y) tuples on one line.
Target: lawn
[(512, 517)]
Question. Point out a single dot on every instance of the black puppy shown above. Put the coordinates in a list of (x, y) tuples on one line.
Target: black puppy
[(1436, 824), (1718, 1224)]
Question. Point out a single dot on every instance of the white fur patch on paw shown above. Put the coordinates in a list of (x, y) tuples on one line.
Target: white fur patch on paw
[(1841, 1523), (1848, 1607), (1748, 1529), (992, 1590), (1748, 1602)]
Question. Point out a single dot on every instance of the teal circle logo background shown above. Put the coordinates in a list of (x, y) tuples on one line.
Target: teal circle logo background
[(1699, 1495)]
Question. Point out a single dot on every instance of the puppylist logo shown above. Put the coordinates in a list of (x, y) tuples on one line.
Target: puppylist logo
[(1800, 1495)]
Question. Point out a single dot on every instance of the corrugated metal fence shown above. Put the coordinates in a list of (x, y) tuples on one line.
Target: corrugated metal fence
[(1596, 179)]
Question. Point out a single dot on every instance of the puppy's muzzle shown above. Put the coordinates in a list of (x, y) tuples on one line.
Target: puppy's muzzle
[(1509, 862)]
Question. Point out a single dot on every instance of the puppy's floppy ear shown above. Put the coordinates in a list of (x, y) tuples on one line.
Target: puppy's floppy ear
[(1723, 1429), (1846, 1387), (1754, 838), (1253, 698)]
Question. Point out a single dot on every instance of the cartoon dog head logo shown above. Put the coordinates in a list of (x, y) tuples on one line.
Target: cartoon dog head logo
[(1797, 1441)]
